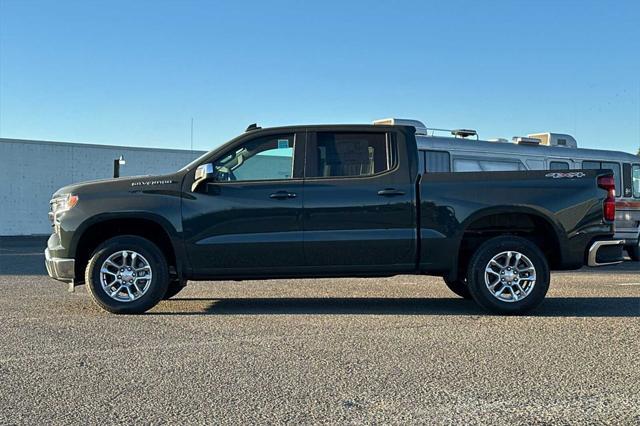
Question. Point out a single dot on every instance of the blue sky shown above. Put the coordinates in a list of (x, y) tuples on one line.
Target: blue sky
[(135, 72)]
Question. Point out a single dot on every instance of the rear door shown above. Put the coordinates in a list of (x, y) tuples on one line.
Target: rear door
[(359, 212)]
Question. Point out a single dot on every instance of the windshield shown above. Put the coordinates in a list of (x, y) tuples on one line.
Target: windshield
[(195, 162)]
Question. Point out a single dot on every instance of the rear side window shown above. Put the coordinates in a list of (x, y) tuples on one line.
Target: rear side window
[(437, 161), (558, 165), (350, 154)]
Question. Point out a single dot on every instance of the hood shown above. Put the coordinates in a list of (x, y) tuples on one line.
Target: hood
[(128, 183)]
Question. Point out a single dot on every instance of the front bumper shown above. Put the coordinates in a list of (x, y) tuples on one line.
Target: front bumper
[(605, 252), (59, 268)]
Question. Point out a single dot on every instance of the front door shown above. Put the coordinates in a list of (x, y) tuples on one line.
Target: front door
[(248, 219), (358, 204)]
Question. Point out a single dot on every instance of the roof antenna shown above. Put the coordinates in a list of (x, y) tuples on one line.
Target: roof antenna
[(253, 127)]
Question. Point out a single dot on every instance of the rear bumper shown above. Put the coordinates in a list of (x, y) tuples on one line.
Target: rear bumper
[(59, 268), (606, 252)]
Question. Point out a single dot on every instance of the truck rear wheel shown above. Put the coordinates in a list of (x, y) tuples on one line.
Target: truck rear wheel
[(459, 286), (508, 275), (127, 275)]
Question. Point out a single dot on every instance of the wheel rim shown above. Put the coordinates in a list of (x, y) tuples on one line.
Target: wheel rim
[(126, 276), (510, 276)]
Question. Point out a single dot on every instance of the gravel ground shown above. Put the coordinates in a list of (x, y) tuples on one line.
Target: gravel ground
[(396, 350)]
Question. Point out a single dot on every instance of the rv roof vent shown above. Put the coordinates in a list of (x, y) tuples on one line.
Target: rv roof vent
[(464, 133), (421, 129), (499, 140), (555, 139), (521, 140)]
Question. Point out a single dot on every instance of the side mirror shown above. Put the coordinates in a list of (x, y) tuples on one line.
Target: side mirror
[(204, 172)]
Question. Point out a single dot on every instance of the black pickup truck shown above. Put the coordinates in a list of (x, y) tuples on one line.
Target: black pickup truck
[(329, 201)]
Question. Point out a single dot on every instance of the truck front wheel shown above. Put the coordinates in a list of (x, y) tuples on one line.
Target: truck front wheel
[(127, 275), (508, 275)]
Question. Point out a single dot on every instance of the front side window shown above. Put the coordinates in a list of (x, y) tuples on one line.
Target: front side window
[(349, 154), (266, 158), (635, 178)]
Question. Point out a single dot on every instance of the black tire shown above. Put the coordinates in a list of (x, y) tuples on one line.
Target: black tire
[(175, 287), (634, 252), (157, 287), (479, 262), (459, 287)]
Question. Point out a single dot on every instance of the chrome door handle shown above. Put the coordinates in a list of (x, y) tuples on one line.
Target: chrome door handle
[(390, 192), (282, 195)]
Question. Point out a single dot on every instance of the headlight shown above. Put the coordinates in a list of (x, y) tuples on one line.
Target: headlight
[(60, 205)]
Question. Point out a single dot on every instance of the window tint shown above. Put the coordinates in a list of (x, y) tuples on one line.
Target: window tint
[(635, 178), (558, 165), (437, 161), (268, 158), (476, 165), (421, 163), (350, 154)]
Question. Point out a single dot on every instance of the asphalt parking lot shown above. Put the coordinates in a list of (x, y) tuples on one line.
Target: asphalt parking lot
[(396, 350)]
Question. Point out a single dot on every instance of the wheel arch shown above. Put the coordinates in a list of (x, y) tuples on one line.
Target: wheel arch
[(536, 225), (99, 228)]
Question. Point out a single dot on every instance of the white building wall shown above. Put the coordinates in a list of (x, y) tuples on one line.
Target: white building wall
[(30, 171)]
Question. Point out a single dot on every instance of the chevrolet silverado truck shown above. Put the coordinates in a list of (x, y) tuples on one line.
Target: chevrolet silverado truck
[(329, 201)]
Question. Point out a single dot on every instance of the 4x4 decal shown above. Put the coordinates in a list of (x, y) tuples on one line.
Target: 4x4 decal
[(569, 175)]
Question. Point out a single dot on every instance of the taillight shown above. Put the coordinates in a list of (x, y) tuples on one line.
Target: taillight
[(608, 183)]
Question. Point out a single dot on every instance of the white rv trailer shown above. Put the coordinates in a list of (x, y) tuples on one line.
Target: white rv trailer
[(456, 152)]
